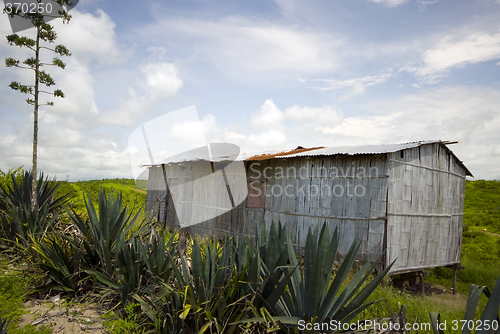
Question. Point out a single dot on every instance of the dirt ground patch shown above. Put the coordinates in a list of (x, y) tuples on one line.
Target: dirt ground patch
[(63, 317), (140, 190), (451, 301)]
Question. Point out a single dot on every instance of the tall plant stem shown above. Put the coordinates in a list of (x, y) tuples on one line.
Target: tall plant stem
[(35, 121)]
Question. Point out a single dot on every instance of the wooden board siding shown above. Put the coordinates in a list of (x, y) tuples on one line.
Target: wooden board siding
[(409, 203), (425, 208), (196, 200), (305, 192)]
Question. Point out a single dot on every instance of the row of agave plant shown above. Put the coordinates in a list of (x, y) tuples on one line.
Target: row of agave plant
[(235, 285), (226, 286)]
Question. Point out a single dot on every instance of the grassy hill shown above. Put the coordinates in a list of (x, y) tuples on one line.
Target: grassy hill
[(482, 206), (480, 252), (481, 238), (133, 196)]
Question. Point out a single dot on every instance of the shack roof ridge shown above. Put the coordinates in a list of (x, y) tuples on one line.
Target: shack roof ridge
[(322, 151), (364, 149)]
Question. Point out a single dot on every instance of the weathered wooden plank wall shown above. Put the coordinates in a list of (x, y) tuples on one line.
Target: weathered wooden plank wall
[(409, 203), (349, 193), (198, 195), (425, 208)]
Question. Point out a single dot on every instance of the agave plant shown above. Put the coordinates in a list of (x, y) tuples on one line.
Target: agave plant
[(274, 258), (19, 219), (19, 193), (154, 256), (101, 248), (61, 260), (20, 224), (102, 231), (163, 309), (212, 290), (305, 291), (128, 271), (312, 297), (489, 320), (4, 325)]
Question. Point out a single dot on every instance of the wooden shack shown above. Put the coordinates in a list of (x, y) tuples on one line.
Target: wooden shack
[(402, 201)]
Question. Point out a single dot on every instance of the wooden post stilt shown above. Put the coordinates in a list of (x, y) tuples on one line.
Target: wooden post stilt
[(422, 290), (454, 280)]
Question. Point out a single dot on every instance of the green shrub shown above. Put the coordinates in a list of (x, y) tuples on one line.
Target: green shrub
[(13, 286), (123, 324), (30, 329)]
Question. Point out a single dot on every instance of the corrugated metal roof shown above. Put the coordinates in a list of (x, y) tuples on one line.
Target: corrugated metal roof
[(372, 149), (355, 150), (319, 151)]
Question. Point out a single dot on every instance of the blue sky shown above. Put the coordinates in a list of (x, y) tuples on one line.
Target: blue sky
[(265, 75)]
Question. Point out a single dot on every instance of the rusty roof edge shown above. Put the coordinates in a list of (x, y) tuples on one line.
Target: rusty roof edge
[(362, 149), (330, 151), (283, 154)]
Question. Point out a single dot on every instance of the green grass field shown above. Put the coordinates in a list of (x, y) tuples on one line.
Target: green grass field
[(133, 196), (481, 239), (480, 253), (480, 249)]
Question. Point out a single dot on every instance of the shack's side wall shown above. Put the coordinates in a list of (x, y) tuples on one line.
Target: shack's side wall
[(156, 206), (197, 197), (425, 208), (348, 192)]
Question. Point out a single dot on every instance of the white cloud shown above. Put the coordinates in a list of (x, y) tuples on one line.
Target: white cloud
[(230, 135), (316, 118), (390, 3), (8, 139), (77, 84), (205, 130), (334, 84), (91, 37), (161, 80), (267, 116), (271, 139), (449, 53), (357, 89), (246, 48), (424, 3), (469, 115), (278, 130)]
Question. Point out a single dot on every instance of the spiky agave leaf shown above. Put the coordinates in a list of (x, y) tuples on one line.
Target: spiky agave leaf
[(104, 230), (4, 325), (490, 313), (19, 193), (308, 293), (61, 260)]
